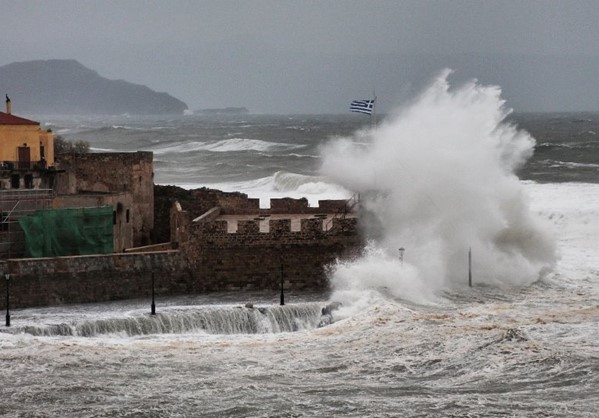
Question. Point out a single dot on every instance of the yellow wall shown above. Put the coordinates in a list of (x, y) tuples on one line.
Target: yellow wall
[(14, 136)]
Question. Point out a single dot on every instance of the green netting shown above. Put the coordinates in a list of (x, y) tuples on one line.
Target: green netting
[(69, 231)]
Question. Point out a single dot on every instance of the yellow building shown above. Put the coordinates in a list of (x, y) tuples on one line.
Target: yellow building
[(23, 144)]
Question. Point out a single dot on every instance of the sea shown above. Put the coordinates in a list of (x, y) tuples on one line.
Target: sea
[(468, 189)]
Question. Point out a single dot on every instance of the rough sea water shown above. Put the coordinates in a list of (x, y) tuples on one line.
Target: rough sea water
[(450, 172)]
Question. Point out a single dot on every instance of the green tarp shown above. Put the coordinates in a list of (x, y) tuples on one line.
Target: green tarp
[(69, 231)]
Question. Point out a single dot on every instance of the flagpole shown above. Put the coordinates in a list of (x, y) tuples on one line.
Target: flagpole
[(373, 114)]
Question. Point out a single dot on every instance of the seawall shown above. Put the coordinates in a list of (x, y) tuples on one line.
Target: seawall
[(234, 245), (249, 259), (98, 278)]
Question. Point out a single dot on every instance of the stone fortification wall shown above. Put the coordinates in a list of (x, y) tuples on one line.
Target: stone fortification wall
[(211, 259), (289, 205), (130, 172), (301, 206), (198, 201), (81, 279), (212, 255), (249, 259)]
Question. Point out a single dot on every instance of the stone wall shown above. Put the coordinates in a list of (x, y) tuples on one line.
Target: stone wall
[(113, 173), (210, 260), (249, 259), (209, 255), (82, 279), (198, 201), (229, 250)]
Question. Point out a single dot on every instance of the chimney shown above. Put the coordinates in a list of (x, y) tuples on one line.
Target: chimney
[(8, 105)]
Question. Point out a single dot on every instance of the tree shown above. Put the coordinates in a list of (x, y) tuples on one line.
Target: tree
[(65, 146)]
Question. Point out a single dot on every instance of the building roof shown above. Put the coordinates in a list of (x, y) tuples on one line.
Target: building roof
[(8, 119)]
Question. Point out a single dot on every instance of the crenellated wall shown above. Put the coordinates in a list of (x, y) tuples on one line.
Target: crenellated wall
[(210, 259), (221, 249), (231, 254)]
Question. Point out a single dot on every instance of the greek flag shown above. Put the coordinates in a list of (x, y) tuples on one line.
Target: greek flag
[(362, 106)]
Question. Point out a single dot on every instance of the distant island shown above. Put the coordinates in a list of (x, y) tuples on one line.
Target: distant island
[(223, 111), (66, 87)]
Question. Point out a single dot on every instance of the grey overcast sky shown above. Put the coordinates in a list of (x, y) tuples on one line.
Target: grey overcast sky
[(312, 56)]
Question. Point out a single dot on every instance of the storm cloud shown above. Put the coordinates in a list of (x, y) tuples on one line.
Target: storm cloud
[(307, 56)]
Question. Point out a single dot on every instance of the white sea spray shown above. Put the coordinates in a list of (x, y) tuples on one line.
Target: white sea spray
[(438, 178)]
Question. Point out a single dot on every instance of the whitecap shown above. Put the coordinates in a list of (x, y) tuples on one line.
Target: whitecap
[(229, 145)]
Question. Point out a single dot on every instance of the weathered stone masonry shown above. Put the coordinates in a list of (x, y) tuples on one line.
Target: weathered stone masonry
[(249, 259), (234, 246), (113, 173), (252, 258), (82, 279)]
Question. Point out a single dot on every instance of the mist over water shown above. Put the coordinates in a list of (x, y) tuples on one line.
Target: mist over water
[(437, 178)]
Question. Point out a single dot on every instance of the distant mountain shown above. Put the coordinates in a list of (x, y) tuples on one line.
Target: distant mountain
[(66, 87)]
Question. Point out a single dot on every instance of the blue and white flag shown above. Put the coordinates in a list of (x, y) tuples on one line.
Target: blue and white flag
[(362, 106)]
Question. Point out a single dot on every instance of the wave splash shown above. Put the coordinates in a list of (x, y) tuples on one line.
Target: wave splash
[(437, 178), (210, 320)]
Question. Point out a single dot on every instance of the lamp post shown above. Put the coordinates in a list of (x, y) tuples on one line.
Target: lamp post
[(7, 277), (282, 282), (153, 311)]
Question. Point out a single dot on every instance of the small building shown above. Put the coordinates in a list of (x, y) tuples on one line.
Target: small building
[(32, 181), (124, 180), (27, 176), (26, 153)]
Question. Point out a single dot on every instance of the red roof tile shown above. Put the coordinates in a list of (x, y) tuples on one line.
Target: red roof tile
[(6, 119)]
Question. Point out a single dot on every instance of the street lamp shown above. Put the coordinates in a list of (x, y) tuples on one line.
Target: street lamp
[(7, 277), (153, 311), (282, 282)]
